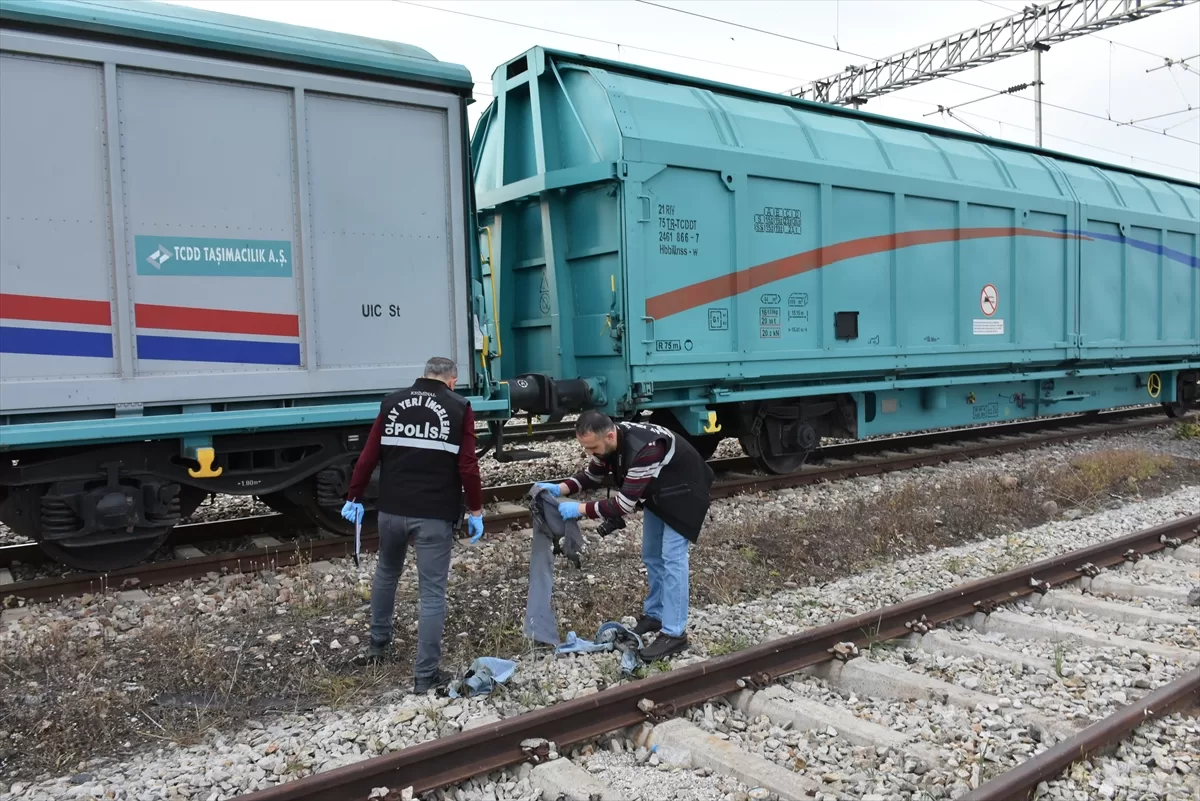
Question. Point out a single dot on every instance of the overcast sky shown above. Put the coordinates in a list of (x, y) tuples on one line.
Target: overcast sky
[(1102, 75)]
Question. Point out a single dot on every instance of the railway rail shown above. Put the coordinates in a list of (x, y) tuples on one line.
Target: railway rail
[(653, 701), (830, 463)]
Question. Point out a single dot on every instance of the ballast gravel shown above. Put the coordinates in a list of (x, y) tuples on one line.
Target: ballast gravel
[(1160, 761), (279, 746), (640, 775), (963, 740), (1083, 685)]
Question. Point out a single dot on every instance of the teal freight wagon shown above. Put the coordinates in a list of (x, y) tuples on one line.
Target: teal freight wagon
[(781, 270)]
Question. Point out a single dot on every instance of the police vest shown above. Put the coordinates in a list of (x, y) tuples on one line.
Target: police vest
[(418, 452), (679, 494)]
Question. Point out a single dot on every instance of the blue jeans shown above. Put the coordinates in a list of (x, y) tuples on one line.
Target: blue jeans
[(665, 554), (432, 540)]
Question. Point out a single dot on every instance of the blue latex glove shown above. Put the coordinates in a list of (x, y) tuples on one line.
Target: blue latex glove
[(569, 510), (353, 512), (475, 526), (553, 489)]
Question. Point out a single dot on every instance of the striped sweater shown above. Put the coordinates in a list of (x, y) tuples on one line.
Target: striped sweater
[(646, 466)]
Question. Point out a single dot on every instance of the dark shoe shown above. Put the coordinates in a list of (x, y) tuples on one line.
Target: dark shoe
[(646, 625), (376, 652), (423, 684), (664, 645)]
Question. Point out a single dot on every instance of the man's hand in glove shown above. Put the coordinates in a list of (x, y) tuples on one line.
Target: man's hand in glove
[(475, 527), (353, 512), (569, 510)]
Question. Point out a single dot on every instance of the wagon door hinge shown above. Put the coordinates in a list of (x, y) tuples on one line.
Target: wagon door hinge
[(129, 410)]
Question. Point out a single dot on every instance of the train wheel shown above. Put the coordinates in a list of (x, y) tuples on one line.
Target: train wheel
[(39, 513), (778, 439), (1176, 410), (303, 501), (1187, 397), (190, 499), (97, 556)]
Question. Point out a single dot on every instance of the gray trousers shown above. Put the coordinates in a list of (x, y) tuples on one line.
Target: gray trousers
[(432, 540), (549, 532)]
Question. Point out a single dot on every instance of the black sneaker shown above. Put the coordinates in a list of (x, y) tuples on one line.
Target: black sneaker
[(646, 625), (376, 652), (664, 645), (423, 684)]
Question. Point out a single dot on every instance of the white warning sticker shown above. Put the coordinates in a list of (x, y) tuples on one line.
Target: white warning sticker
[(983, 328)]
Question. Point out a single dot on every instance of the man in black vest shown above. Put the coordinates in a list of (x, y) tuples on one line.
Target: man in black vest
[(660, 471), (424, 438)]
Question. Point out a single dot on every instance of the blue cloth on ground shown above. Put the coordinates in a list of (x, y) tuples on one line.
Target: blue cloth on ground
[(609, 636), (482, 677)]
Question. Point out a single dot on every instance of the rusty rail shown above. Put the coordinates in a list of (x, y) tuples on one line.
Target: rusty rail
[(186, 534), (1021, 782), (454, 759)]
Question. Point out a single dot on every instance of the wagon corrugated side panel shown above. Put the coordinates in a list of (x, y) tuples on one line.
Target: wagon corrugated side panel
[(1139, 264), (797, 244), (190, 230)]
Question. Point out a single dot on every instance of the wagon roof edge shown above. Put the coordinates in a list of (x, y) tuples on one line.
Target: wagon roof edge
[(223, 33), (652, 73)]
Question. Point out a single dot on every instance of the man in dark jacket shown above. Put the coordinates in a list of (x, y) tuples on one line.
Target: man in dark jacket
[(424, 440), (661, 472)]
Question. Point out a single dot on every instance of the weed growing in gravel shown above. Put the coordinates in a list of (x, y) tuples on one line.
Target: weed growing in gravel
[(652, 669), (828, 543), (729, 644), (1187, 430), (955, 565), (1089, 478)]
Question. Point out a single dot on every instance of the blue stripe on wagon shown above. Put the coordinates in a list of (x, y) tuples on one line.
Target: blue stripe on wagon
[(56, 342), (1149, 247), (229, 351)]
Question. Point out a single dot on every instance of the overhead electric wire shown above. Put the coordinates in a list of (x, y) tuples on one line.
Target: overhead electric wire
[(608, 42), (1010, 90), (1173, 62), (1180, 124), (1159, 116), (954, 116), (1077, 142), (869, 58), (1002, 123)]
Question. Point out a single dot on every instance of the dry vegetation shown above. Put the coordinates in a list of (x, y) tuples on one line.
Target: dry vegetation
[(113, 685), (823, 546)]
